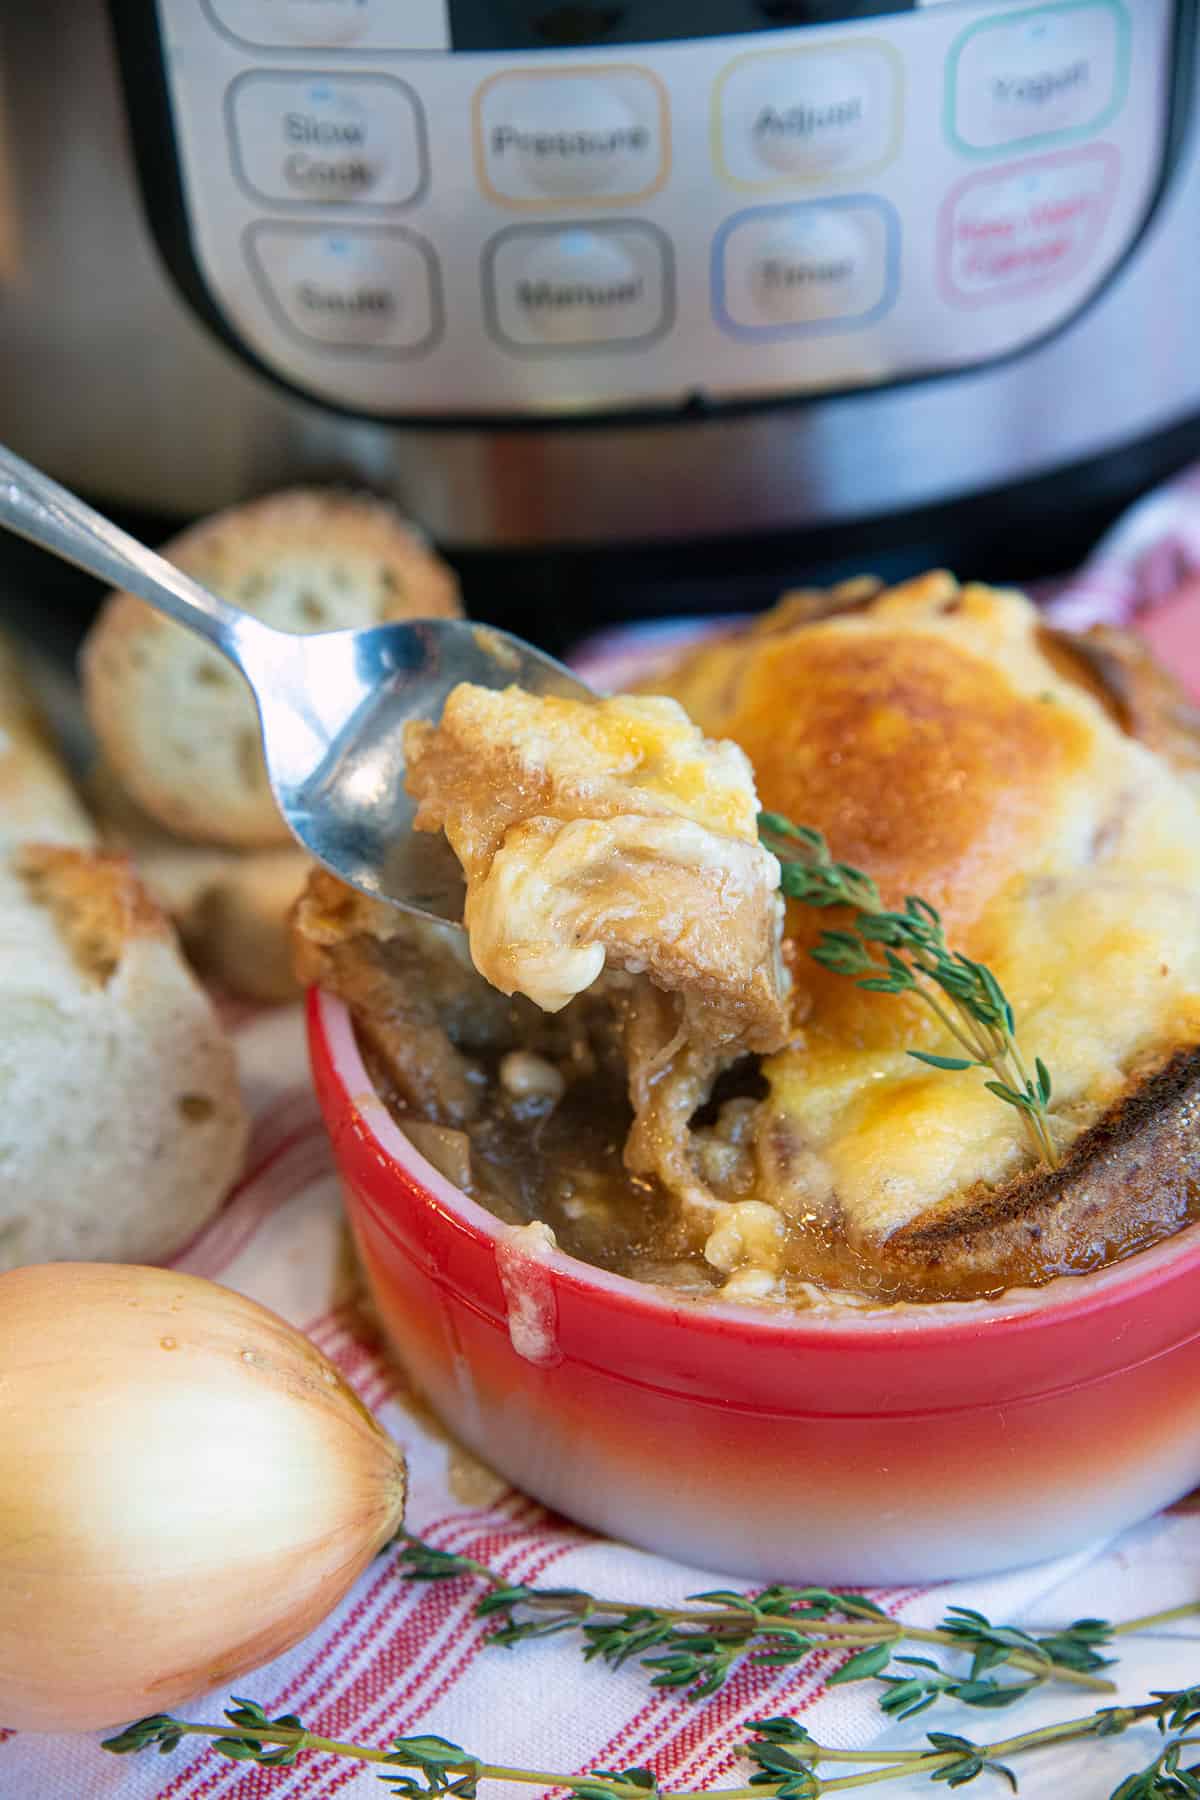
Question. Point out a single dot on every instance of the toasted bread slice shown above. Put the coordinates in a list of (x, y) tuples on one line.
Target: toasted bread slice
[(230, 907), (175, 719)]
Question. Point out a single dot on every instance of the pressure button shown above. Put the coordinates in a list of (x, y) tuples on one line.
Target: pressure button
[(588, 135)]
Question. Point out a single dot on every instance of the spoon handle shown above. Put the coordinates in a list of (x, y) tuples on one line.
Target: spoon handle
[(39, 509)]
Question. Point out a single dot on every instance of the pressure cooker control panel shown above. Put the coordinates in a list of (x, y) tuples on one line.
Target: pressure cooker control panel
[(407, 227)]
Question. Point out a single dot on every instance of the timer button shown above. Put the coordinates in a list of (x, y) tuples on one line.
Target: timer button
[(365, 290), (803, 115), (574, 287), (318, 140), (1047, 74), (779, 270), (592, 134)]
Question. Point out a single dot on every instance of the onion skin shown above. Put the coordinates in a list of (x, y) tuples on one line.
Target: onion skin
[(187, 1487)]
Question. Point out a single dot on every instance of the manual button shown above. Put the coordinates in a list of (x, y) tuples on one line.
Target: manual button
[(320, 140), (590, 134), (372, 289), (578, 286)]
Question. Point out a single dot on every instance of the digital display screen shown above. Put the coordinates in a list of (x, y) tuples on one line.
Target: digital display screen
[(563, 24)]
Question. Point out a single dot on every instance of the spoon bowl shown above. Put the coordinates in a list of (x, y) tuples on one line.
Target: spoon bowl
[(332, 705)]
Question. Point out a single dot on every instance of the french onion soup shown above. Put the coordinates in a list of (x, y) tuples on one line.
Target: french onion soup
[(964, 1055)]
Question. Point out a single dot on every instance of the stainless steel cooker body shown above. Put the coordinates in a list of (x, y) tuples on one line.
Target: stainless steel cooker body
[(622, 291)]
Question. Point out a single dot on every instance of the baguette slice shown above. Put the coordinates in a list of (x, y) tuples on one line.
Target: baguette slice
[(121, 1125), (230, 907), (174, 719)]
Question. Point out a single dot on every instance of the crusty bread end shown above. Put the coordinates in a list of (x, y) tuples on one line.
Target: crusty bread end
[(121, 1123)]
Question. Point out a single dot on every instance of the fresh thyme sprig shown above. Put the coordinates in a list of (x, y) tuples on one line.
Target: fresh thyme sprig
[(695, 1647), (785, 1758), (906, 952)]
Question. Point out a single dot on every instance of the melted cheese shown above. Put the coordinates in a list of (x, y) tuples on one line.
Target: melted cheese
[(938, 746), (609, 831)]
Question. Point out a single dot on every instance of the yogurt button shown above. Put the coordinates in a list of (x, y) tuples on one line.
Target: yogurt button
[(350, 289), (577, 286), (1054, 71)]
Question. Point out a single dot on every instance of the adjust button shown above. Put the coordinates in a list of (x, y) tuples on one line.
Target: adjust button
[(319, 140), (593, 134), (579, 286), (805, 114), (368, 290), (783, 270)]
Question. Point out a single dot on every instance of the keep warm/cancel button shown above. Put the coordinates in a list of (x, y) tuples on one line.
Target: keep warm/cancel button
[(578, 286)]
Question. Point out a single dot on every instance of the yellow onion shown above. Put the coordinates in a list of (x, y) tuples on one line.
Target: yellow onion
[(187, 1487)]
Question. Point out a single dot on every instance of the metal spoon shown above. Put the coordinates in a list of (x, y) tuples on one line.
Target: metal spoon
[(331, 704)]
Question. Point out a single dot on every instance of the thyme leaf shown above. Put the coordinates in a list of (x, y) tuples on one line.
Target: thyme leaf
[(905, 952), (695, 1648), (785, 1761)]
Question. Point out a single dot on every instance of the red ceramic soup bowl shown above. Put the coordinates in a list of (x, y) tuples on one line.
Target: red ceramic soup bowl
[(901, 1444)]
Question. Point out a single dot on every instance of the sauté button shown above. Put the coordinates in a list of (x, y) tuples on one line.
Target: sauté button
[(592, 134), (365, 290), (319, 140), (575, 287), (807, 113)]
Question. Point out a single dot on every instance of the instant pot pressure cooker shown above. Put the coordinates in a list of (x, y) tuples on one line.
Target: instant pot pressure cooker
[(679, 298)]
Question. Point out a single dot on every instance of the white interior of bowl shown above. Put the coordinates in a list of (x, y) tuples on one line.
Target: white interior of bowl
[(1074, 1293)]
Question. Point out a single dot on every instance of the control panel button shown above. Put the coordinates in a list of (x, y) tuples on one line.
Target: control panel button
[(807, 114), (335, 24), (817, 266), (1012, 231), (578, 286), (588, 134), (1049, 73), (369, 289), (319, 140)]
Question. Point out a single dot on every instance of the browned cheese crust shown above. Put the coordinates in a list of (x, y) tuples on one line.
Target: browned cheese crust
[(946, 825)]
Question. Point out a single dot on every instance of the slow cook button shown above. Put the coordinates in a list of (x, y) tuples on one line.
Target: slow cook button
[(1055, 71), (589, 134), (578, 286), (370, 290), (319, 140), (330, 24), (807, 113), (785, 269)]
